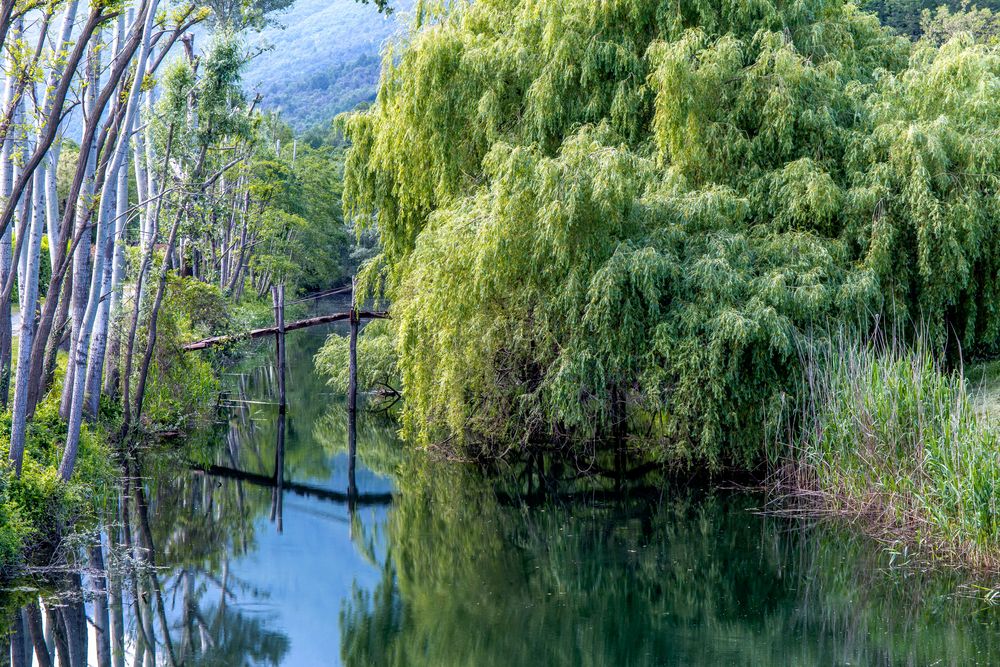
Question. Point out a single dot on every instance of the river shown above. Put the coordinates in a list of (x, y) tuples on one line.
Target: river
[(433, 564)]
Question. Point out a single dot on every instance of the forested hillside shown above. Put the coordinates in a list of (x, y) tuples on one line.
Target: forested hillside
[(323, 57), (905, 15)]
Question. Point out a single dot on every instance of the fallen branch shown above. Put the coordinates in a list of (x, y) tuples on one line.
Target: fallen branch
[(270, 331)]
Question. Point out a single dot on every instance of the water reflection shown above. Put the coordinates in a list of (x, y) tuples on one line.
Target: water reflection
[(684, 579), (246, 548)]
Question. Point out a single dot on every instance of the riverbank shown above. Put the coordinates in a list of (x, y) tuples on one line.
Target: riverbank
[(881, 433), (548, 566), (38, 511)]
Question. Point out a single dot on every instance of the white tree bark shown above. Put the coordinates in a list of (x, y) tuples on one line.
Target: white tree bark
[(81, 256), (83, 332), (51, 161), (44, 178), (10, 158), (114, 259)]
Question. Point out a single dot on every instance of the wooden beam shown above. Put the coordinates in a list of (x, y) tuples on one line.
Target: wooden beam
[(270, 331)]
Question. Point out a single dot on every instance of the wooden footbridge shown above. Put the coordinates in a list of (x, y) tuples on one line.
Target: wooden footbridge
[(277, 481)]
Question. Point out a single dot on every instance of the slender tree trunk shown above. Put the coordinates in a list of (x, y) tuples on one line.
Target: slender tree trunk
[(26, 340), (112, 372), (144, 265), (50, 162), (86, 324), (140, 392), (40, 381), (81, 256), (99, 340)]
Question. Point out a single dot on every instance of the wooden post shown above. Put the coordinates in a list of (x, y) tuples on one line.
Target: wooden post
[(278, 295), (352, 395)]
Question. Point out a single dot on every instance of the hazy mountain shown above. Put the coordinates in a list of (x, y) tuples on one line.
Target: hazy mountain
[(323, 58)]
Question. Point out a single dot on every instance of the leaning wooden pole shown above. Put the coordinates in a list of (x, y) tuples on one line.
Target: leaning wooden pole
[(292, 326)]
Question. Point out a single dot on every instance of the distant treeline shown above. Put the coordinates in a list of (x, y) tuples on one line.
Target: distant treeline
[(905, 15)]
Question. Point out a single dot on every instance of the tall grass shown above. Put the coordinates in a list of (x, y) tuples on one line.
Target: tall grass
[(888, 435)]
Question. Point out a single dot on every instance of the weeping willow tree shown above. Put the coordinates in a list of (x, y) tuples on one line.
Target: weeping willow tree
[(599, 211)]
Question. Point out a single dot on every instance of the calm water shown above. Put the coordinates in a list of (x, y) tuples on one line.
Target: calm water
[(434, 566)]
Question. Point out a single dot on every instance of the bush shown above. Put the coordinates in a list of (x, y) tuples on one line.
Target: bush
[(181, 386), (376, 359), (38, 507)]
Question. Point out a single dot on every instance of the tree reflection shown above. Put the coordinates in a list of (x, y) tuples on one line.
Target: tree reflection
[(539, 567), (475, 578)]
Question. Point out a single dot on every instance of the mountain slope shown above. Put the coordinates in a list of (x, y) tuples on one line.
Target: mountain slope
[(323, 58)]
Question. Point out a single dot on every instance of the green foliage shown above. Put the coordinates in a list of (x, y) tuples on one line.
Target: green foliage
[(219, 112), (203, 305), (183, 387), (585, 206), (376, 359), (945, 23), (913, 18), (300, 238), (44, 269), (893, 436), (38, 507)]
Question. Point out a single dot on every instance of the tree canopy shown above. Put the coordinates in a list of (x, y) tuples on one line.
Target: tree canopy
[(591, 208)]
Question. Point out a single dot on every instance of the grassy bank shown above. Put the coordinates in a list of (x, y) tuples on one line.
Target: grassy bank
[(37, 509), (892, 438)]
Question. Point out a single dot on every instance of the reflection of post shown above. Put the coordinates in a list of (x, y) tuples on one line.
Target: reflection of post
[(43, 654), (352, 398), (279, 472), (18, 656), (101, 622), (278, 294)]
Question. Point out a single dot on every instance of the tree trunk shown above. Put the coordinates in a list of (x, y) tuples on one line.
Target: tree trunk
[(81, 256), (27, 332), (78, 362)]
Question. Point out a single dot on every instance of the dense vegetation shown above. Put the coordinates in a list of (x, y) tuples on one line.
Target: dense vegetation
[(914, 18), (170, 220), (588, 210), (890, 435)]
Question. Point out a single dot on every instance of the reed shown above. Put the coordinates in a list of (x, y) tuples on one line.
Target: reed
[(889, 436)]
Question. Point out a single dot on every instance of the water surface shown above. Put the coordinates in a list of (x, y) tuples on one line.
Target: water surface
[(432, 564)]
